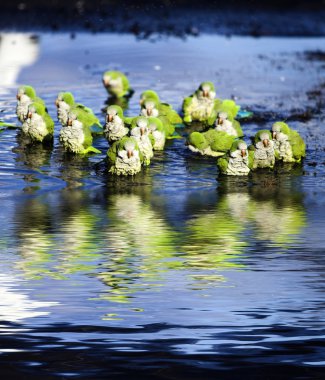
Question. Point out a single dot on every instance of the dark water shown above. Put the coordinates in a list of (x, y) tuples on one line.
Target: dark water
[(171, 274)]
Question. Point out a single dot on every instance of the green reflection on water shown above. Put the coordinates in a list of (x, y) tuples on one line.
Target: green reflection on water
[(130, 245)]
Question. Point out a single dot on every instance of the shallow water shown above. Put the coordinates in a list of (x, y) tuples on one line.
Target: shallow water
[(171, 273)]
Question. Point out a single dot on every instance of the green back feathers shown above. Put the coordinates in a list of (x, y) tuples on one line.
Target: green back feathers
[(222, 164), (221, 141), (38, 108), (257, 136), (251, 154), (157, 123), (298, 145), (198, 140), (87, 119), (230, 107), (168, 126)]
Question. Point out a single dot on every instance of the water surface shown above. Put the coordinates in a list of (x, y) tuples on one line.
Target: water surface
[(174, 273)]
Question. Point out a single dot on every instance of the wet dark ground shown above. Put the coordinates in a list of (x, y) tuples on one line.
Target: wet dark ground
[(176, 273), (182, 19)]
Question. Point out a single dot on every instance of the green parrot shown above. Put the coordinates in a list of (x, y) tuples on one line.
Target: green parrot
[(263, 148), (236, 162), (140, 132), (202, 106), (117, 84), (124, 157), (152, 106), (38, 125), (25, 96), (225, 124), (75, 136), (116, 124), (65, 103), (157, 131), (288, 144), (230, 107), (210, 143)]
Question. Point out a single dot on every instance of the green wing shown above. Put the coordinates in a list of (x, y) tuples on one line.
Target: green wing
[(112, 153), (238, 128), (198, 140), (49, 123), (298, 145), (251, 152), (167, 110), (219, 141), (168, 127), (222, 164)]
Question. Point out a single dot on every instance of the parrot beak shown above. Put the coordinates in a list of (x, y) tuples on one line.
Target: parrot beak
[(18, 96), (205, 93), (29, 115), (129, 153), (106, 82), (220, 121), (69, 122), (274, 135), (243, 152), (142, 130), (149, 111), (57, 102), (110, 118), (266, 143)]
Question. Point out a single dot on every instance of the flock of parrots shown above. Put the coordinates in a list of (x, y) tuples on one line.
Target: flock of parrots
[(133, 140)]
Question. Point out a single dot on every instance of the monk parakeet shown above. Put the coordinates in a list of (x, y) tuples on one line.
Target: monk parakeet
[(65, 103), (124, 157), (75, 136), (236, 162), (202, 105), (38, 125), (117, 84), (263, 148), (152, 106), (25, 96), (288, 144), (226, 124), (210, 143), (140, 132), (157, 131), (116, 124)]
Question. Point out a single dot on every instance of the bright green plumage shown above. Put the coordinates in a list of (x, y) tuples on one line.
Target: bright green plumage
[(124, 157), (116, 84), (202, 106), (210, 143), (289, 145), (25, 96), (65, 103), (76, 136), (152, 106), (38, 125), (236, 161)]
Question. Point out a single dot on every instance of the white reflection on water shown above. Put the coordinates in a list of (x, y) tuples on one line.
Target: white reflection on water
[(17, 50), (16, 306)]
